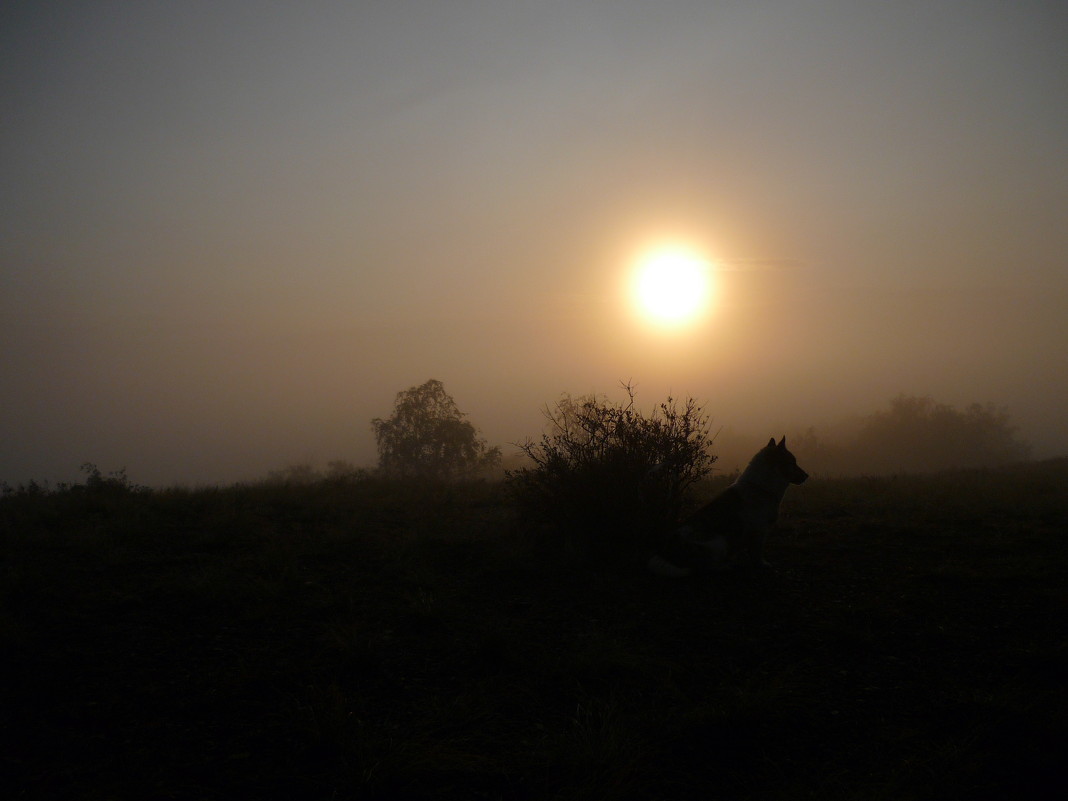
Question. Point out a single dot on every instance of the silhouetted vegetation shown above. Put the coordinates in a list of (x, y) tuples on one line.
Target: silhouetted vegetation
[(917, 435), (608, 476), (428, 438), (96, 484)]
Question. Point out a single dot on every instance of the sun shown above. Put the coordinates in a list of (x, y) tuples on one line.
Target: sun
[(671, 285)]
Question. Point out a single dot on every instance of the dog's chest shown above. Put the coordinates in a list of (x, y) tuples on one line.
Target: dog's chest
[(758, 517)]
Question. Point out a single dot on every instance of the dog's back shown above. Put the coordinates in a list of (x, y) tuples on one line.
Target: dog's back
[(729, 531)]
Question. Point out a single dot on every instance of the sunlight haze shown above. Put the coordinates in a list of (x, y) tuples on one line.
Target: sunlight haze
[(233, 231)]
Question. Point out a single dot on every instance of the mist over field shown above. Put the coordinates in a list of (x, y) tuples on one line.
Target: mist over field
[(232, 233)]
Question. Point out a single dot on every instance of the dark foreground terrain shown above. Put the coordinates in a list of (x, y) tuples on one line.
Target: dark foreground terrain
[(366, 640)]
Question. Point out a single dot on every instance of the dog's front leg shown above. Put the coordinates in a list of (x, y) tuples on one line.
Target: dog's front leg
[(753, 550)]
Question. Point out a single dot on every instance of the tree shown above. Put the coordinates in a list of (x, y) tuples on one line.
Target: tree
[(427, 437), (918, 434)]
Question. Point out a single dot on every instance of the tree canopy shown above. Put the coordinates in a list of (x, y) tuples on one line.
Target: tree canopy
[(428, 437)]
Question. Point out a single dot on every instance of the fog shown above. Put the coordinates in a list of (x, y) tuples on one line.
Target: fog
[(231, 232)]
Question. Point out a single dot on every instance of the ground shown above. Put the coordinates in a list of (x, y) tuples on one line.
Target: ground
[(374, 640)]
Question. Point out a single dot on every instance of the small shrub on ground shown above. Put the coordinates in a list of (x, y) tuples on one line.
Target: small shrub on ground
[(295, 475), (608, 477), (114, 482)]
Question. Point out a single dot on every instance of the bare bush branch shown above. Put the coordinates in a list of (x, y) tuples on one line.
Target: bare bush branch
[(609, 474)]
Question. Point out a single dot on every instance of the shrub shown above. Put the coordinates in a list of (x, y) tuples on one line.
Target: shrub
[(115, 482), (607, 476), (294, 475)]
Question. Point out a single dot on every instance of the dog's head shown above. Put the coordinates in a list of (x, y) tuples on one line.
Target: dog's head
[(784, 461)]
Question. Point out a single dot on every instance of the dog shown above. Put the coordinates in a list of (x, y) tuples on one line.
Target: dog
[(729, 531)]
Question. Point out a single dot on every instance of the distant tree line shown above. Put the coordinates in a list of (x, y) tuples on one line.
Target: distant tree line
[(593, 449), (601, 457), (917, 435)]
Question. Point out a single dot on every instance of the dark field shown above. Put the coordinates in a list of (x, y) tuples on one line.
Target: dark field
[(366, 640)]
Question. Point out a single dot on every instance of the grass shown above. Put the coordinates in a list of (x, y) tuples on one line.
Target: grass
[(366, 640)]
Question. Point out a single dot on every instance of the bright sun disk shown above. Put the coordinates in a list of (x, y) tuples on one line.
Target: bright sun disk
[(672, 285)]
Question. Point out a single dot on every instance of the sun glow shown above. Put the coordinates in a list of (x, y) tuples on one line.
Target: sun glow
[(671, 285)]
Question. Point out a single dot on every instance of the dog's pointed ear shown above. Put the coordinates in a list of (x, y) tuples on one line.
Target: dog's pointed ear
[(771, 442), (782, 442)]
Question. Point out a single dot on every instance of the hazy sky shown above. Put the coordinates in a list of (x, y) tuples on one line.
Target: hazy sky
[(231, 232)]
